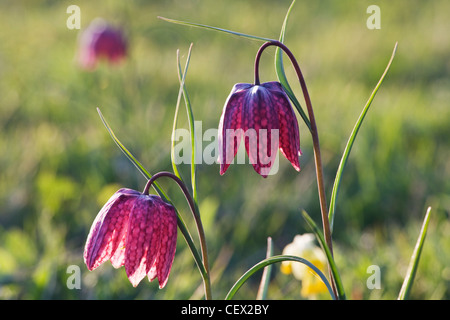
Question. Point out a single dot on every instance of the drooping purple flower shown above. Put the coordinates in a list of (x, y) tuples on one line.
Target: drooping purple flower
[(263, 115), (137, 231), (101, 40)]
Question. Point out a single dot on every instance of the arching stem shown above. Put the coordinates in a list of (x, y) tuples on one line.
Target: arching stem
[(314, 133), (195, 213)]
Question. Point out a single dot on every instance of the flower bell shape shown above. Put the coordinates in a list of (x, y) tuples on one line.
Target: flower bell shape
[(135, 230), (98, 41), (263, 115)]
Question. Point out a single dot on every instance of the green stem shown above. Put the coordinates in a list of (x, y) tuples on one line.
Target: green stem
[(265, 279), (314, 131), (337, 283), (272, 260), (314, 134), (205, 272)]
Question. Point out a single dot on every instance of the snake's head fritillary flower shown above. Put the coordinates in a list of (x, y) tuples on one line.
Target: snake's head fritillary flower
[(303, 246), (263, 115), (135, 230), (98, 41)]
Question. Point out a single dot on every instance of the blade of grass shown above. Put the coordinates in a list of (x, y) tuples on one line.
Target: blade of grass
[(127, 153), (175, 121), (414, 262), (190, 114), (181, 224), (182, 78), (196, 212), (275, 259), (279, 68), (350, 142), (204, 26), (265, 279), (333, 269)]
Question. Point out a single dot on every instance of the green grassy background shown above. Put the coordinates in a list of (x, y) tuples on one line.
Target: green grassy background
[(58, 164)]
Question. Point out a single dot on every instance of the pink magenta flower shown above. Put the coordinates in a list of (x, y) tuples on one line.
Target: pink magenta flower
[(135, 230), (101, 41), (263, 115)]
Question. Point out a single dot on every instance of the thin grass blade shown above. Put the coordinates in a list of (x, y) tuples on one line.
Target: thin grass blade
[(265, 279), (196, 212), (204, 26), (350, 142), (174, 127), (414, 262), (182, 79), (127, 153), (190, 114)]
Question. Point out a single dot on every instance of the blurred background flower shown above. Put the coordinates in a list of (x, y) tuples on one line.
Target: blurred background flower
[(100, 40), (304, 246)]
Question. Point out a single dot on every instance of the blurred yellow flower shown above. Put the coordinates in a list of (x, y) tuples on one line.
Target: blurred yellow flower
[(304, 246)]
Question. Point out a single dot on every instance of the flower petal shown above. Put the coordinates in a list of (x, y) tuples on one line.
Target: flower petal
[(230, 125), (140, 232), (260, 123), (289, 133), (109, 228), (168, 242)]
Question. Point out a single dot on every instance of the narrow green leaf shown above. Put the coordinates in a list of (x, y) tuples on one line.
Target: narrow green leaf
[(351, 140), (174, 127), (265, 279), (180, 94), (190, 114), (272, 260), (127, 153), (196, 212), (181, 224), (279, 68), (414, 262), (326, 249), (204, 26)]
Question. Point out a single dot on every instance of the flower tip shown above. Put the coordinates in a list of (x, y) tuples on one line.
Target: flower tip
[(223, 169), (162, 284), (89, 266)]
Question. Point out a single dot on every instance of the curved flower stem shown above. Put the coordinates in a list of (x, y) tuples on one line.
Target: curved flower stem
[(201, 233), (274, 259), (314, 133)]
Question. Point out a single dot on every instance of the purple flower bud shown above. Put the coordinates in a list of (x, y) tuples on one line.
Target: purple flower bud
[(137, 231), (101, 41), (263, 115)]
